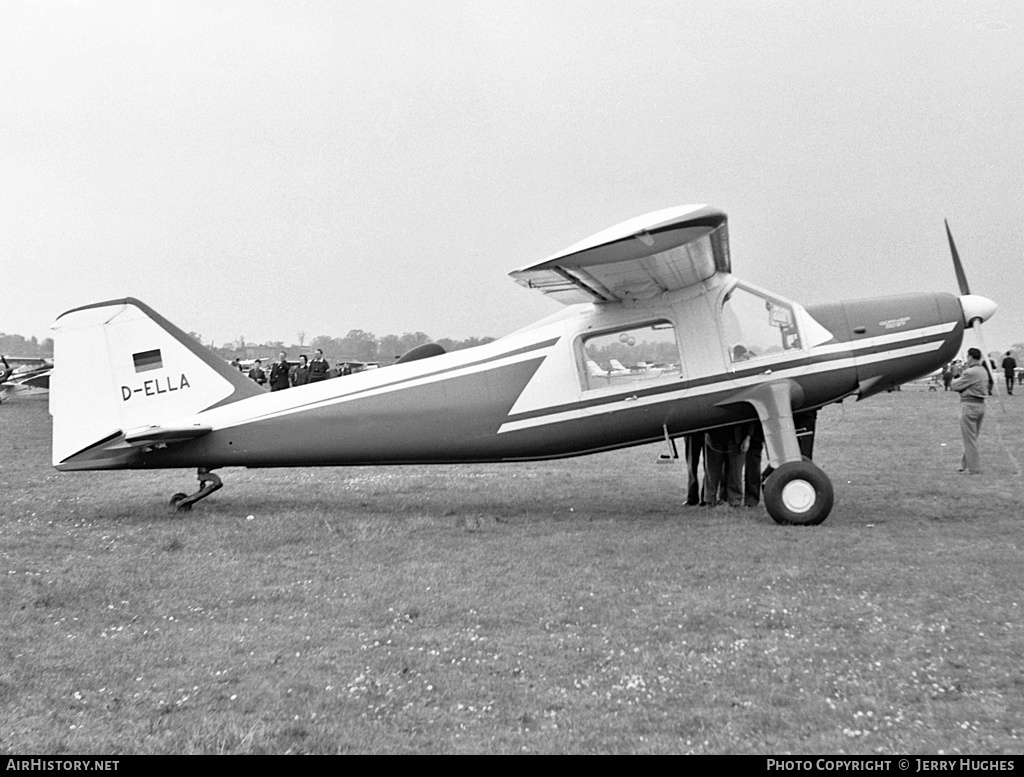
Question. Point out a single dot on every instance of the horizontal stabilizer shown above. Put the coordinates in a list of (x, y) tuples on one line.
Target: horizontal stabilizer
[(152, 435)]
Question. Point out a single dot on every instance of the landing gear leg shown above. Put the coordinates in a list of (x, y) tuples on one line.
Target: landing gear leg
[(208, 483), (797, 492)]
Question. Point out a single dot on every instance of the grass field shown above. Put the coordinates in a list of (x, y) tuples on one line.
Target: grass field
[(569, 606)]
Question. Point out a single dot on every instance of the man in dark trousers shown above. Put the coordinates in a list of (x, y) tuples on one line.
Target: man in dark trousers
[(279, 373), (694, 447), (723, 465), (1009, 371), (752, 465)]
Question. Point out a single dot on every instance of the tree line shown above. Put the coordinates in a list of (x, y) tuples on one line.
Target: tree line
[(367, 347), (358, 345), (16, 345)]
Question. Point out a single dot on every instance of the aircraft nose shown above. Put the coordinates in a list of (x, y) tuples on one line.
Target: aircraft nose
[(976, 308)]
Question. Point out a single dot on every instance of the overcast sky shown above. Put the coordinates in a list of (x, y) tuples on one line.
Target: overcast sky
[(265, 168)]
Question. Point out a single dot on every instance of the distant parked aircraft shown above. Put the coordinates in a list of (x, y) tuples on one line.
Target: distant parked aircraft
[(24, 373)]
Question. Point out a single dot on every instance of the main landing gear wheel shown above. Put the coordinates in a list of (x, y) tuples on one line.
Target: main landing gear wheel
[(798, 493)]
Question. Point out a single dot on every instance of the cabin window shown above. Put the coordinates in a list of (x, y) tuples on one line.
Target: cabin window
[(630, 356), (755, 325)]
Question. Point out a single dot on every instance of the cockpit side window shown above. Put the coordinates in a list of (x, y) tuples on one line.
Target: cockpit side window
[(629, 356), (755, 325)]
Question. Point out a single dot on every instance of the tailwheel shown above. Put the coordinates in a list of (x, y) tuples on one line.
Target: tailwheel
[(208, 483), (798, 493), (176, 503)]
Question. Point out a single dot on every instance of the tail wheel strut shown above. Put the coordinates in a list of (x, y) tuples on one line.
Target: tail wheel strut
[(208, 483)]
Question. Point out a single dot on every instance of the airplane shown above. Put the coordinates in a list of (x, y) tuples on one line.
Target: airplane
[(617, 373), (619, 367), (663, 280), (639, 368), (31, 373)]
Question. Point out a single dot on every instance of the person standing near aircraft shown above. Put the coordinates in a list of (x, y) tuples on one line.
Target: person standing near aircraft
[(723, 465), (318, 367), (300, 375), (972, 385), (279, 373), (1009, 371), (694, 446), (752, 465), (257, 374)]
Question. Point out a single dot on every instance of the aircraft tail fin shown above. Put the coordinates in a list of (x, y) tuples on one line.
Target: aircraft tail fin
[(120, 366)]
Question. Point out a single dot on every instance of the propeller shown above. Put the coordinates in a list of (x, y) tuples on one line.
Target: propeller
[(976, 308), (958, 267)]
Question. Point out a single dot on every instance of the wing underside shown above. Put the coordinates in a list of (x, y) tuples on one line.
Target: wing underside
[(637, 259)]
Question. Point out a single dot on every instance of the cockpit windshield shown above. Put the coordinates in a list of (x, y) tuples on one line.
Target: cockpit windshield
[(755, 325)]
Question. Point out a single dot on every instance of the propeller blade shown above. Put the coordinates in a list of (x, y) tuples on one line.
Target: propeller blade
[(976, 304), (961, 278)]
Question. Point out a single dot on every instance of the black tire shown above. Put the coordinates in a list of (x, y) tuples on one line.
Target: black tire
[(798, 493), (176, 503), (769, 469)]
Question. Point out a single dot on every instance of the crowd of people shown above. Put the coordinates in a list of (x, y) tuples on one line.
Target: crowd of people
[(975, 382), (1012, 374), (283, 374)]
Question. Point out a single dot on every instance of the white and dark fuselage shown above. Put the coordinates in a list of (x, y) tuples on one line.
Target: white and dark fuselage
[(528, 395)]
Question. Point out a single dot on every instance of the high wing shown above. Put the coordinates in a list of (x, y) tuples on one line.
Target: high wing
[(638, 259)]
